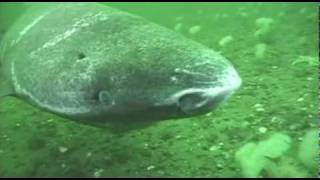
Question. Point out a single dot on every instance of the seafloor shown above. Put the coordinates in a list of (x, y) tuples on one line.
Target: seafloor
[(267, 129)]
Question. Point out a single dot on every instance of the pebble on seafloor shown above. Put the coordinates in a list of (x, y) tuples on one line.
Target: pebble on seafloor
[(259, 107), (150, 167), (263, 130), (264, 25), (225, 40), (97, 173), (194, 29), (63, 149), (213, 148), (300, 99), (260, 50), (178, 27)]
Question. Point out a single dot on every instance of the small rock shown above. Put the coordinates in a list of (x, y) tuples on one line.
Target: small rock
[(225, 40), (178, 27), (194, 29), (300, 99), (303, 109), (293, 127), (274, 119), (260, 109), (173, 79), (264, 25), (63, 149), (150, 167), (219, 166), (89, 154), (97, 173), (258, 105), (245, 124), (260, 50), (160, 172), (213, 148), (309, 78), (263, 130), (264, 22)]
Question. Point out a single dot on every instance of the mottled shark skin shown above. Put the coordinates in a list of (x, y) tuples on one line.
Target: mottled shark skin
[(87, 61)]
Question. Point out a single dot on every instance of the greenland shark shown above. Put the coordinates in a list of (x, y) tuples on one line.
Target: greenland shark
[(93, 63)]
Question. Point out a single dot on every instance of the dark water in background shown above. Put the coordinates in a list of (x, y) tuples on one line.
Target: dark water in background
[(273, 114)]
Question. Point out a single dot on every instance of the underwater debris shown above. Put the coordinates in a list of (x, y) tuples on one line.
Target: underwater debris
[(225, 40), (264, 25), (89, 154), (220, 166), (260, 50), (178, 136), (97, 173), (259, 107), (300, 99), (63, 149), (255, 157), (263, 130), (150, 167), (178, 27), (63, 165), (264, 22), (309, 78), (194, 29), (312, 61), (213, 148)]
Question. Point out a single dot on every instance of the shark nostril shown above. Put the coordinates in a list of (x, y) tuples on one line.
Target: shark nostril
[(190, 103)]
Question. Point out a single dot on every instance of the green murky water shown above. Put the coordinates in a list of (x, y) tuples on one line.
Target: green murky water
[(268, 128)]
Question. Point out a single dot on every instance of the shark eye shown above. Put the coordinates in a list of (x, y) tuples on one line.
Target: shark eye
[(81, 55), (105, 98)]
